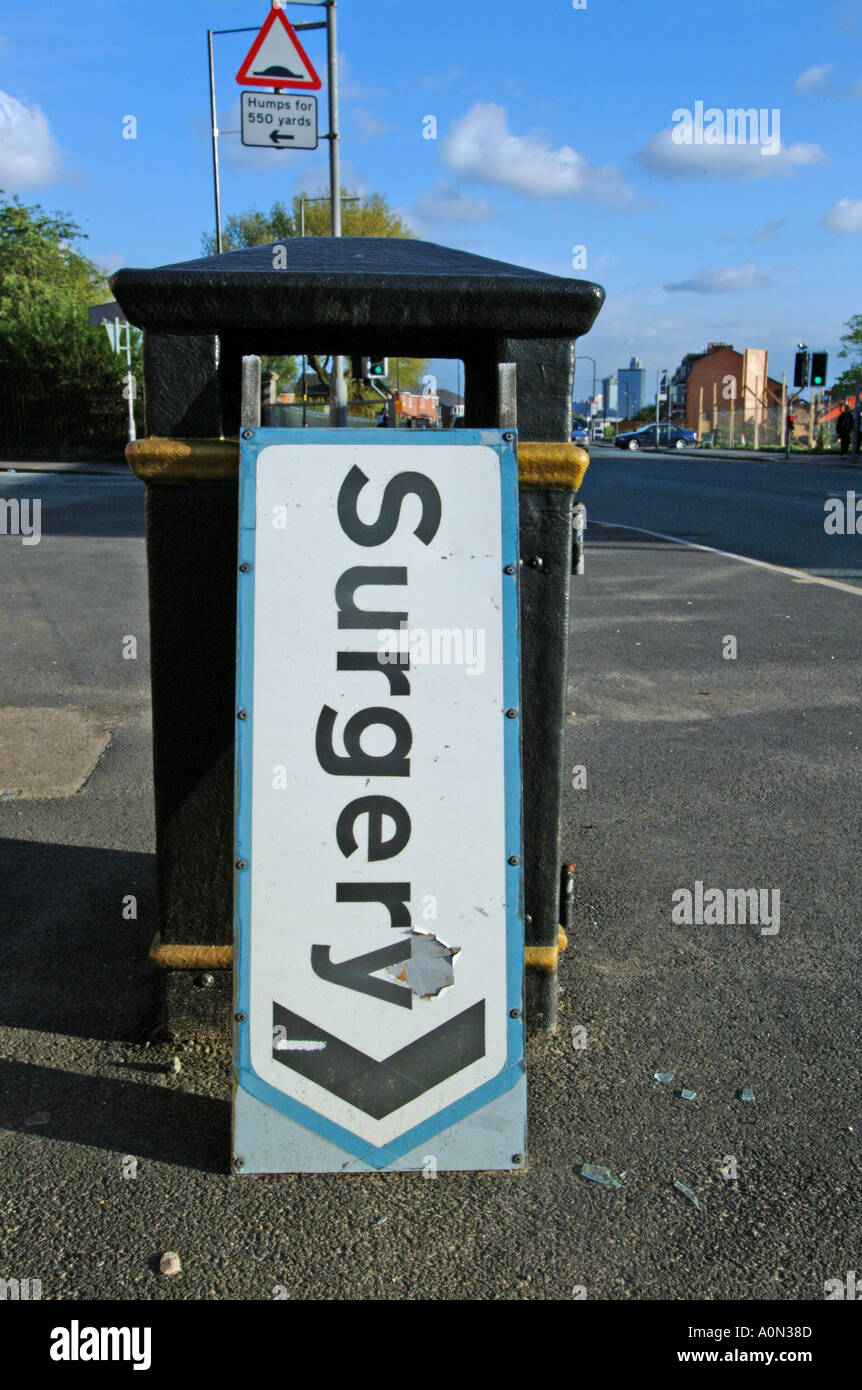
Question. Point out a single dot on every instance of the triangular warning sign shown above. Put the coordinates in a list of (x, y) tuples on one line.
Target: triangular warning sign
[(277, 58)]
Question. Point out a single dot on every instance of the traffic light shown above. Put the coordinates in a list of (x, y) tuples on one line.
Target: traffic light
[(818, 368), (790, 423), (802, 369), (372, 367)]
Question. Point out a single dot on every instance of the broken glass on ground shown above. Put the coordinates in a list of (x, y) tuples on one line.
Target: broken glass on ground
[(686, 1191), (595, 1172)]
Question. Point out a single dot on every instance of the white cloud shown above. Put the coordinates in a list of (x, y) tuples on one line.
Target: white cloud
[(769, 231), (368, 127), (109, 262), (445, 203), (814, 79), (481, 146), (349, 87), (438, 79), (845, 217), (724, 281), (29, 154), (855, 92), (662, 155)]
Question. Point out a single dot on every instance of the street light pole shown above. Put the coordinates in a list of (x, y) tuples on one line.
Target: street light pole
[(214, 124), (338, 386), (587, 358)]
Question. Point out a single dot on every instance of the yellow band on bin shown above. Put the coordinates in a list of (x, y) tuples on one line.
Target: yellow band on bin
[(179, 955), (556, 466), (157, 460), (175, 461), (546, 957)]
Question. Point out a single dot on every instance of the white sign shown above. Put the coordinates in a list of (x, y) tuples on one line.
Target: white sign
[(277, 58), (275, 121), (380, 893)]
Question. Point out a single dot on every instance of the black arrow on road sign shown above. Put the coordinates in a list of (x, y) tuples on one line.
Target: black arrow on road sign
[(276, 135), (378, 1088)]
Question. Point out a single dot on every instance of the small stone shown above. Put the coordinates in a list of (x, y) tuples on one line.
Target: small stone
[(169, 1264), (176, 1066)]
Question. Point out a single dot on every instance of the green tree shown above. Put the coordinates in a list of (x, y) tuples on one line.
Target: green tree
[(361, 215), (851, 379), (46, 287)]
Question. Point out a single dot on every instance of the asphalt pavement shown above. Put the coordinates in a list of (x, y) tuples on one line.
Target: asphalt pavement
[(733, 772), (766, 510)]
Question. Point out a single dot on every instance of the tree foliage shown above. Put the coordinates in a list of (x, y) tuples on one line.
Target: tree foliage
[(361, 215), (46, 287), (850, 380)]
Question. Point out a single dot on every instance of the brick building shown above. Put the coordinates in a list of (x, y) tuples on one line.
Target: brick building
[(726, 379)]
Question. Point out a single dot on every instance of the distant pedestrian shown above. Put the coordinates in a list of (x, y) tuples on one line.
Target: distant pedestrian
[(844, 428), (383, 419)]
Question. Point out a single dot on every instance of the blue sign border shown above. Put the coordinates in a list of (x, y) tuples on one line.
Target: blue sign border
[(251, 445)]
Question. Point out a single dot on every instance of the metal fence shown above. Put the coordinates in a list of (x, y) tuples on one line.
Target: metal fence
[(733, 429), (67, 423)]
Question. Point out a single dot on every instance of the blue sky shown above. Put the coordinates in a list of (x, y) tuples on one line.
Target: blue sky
[(553, 132)]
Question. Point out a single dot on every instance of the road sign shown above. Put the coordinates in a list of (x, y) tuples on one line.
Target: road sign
[(274, 121), (277, 58), (380, 940)]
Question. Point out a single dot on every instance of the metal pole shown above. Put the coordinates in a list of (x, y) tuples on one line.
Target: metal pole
[(338, 389), (334, 154), (129, 379), (215, 142), (782, 437), (812, 419), (302, 214)]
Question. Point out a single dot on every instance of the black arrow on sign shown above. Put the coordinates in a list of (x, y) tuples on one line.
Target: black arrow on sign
[(276, 135), (378, 1088)]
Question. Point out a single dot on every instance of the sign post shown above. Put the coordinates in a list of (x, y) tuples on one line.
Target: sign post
[(379, 928)]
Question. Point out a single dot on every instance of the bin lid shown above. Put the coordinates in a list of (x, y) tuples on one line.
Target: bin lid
[(358, 289)]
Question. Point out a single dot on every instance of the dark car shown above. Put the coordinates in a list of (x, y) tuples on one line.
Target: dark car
[(673, 436)]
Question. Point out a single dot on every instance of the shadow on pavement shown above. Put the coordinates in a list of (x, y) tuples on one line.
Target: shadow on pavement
[(128, 1117), (70, 960)]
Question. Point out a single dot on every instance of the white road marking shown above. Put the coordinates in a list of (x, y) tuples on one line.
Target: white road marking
[(800, 576)]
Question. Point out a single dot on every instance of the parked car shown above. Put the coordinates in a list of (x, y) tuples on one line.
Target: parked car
[(581, 431), (673, 436)]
